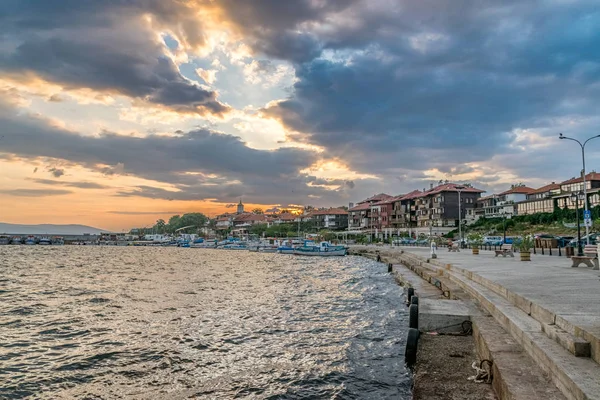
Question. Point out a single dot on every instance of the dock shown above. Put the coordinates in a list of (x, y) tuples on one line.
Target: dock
[(539, 320)]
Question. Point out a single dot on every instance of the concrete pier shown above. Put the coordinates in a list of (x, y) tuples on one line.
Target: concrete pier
[(548, 310)]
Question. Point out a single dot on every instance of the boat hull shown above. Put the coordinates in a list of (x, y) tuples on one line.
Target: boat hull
[(321, 253), (285, 250)]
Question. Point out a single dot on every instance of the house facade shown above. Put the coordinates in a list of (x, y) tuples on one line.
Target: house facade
[(506, 203), (332, 219), (404, 212), (359, 216), (539, 200), (438, 207)]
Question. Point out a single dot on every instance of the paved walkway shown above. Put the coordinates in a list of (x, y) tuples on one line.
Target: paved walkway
[(571, 293)]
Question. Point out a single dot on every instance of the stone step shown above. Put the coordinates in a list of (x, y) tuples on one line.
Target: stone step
[(575, 339), (576, 377), (515, 374), (576, 345)]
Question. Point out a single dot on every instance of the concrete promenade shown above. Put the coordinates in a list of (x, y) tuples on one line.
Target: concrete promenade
[(570, 295), (551, 310)]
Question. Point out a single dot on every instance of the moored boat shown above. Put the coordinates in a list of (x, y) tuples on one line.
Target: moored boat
[(58, 241), (16, 240), (267, 249), (324, 249), (234, 246), (30, 240), (4, 239), (45, 241)]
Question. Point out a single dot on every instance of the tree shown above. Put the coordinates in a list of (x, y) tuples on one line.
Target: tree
[(173, 223), (258, 229), (160, 226), (258, 211)]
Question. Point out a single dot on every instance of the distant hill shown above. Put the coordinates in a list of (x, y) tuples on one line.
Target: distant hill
[(19, 229)]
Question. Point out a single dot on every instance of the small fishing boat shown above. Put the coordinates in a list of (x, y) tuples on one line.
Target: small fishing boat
[(4, 239), (324, 249), (267, 249), (45, 241), (58, 241), (234, 246), (206, 244), (16, 240), (30, 240)]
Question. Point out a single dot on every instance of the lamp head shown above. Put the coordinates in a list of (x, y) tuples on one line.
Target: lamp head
[(581, 196), (573, 197)]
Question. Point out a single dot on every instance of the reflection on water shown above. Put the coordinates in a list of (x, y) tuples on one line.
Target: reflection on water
[(173, 323)]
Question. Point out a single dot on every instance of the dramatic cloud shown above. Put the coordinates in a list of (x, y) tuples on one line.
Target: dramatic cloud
[(200, 164), (105, 46), (353, 97), (444, 84)]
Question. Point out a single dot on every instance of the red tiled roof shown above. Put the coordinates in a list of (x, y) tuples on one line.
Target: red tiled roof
[(361, 207), (518, 189), (286, 217), (331, 211), (250, 217), (592, 176), (451, 187), (412, 195), (377, 197), (547, 188)]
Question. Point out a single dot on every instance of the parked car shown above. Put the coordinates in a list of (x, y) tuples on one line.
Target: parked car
[(593, 240), (493, 240), (563, 241)]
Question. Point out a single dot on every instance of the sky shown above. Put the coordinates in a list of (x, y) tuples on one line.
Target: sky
[(116, 113)]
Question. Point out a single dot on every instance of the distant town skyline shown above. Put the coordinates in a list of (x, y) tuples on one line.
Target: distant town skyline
[(117, 113)]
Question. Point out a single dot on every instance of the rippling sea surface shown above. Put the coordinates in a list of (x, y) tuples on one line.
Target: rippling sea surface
[(95, 322)]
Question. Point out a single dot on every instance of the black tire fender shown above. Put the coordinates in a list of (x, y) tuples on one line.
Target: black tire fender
[(410, 293), (412, 343), (413, 316)]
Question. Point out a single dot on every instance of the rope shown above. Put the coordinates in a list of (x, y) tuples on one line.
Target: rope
[(482, 375)]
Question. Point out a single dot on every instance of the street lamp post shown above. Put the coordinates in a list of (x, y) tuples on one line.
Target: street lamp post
[(575, 197), (504, 225), (585, 203), (459, 190)]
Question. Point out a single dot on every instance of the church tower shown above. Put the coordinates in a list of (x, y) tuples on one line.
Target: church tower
[(240, 207)]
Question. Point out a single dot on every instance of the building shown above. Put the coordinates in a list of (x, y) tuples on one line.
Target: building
[(243, 222), (592, 183), (224, 222), (380, 218), (539, 200), (404, 216), (332, 219), (438, 207), (505, 203), (359, 216), (284, 218), (485, 206), (240, 207), (547, 198)]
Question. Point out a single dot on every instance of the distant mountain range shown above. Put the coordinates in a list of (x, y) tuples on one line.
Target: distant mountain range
[(19, 229)]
